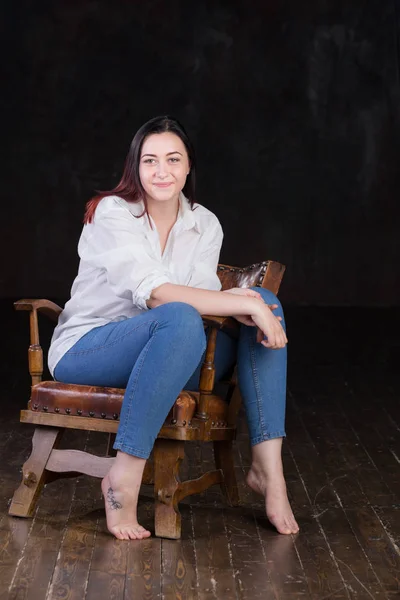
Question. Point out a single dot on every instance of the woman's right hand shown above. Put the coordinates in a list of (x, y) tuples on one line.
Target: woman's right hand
[(269, 326)]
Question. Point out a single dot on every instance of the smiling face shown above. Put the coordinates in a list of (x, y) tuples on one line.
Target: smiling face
[(164, 166)]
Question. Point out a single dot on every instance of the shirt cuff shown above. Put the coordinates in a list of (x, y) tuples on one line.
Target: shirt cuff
[(146, 288)]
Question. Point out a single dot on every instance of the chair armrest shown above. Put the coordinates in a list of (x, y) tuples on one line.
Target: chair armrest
[(35, 353), (46, 307)]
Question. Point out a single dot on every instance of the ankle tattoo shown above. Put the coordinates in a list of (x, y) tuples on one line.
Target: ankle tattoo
[(112, 501)]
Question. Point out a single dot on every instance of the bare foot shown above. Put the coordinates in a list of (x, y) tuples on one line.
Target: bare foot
[(277, 505), (121, 500)]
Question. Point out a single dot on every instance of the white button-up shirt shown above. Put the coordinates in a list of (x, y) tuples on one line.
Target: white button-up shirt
[(121, 263)]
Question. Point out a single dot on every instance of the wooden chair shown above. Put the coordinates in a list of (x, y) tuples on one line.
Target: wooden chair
[(196, 416)]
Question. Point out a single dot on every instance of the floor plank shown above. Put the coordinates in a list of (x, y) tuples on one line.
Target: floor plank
[(39, 555), (108, 568), (179, 568), (215, 571), (14, 533), (377, 544), (74, 560), (251, 573), (143, 575)]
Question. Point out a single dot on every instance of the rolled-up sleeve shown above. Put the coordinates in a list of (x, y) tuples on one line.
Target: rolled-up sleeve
[(119, 246), (204, 271)]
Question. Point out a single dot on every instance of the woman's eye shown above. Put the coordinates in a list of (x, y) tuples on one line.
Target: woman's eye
[(174, 160), (149, 161)]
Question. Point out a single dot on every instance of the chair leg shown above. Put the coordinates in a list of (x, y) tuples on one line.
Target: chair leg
[(168, 455), (110, 443), (223, 453), (33, 472)]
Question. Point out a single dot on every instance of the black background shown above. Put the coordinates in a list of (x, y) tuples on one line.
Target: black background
[(293, 108)]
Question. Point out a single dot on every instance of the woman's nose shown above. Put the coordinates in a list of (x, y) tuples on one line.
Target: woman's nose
[(162, 169)]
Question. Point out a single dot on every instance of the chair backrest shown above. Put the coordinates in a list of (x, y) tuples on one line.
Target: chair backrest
[(267, 274)]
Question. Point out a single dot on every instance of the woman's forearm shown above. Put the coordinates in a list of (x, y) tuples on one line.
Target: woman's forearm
[(205, 301)]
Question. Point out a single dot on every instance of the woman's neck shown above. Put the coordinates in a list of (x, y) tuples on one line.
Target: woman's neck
[(163, 212)]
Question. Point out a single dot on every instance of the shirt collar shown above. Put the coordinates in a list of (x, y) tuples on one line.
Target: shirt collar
[(186, 216)]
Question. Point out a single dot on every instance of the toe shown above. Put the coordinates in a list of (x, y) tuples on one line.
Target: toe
[(293, 525), (288, 526), (143, 532), (119, 533), (286, 530), (132, 534), (283, 526), (138, 533), (116, 533)]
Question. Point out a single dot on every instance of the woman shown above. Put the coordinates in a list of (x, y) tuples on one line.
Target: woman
[(147, 245)]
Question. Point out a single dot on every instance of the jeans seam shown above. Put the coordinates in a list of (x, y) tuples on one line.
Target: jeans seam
[(121, 337), (256, 385), (134, 383)]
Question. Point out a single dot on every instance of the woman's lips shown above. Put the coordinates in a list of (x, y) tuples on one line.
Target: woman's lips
[(163, 185)]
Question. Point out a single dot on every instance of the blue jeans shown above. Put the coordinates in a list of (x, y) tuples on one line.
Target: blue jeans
[(158, 353)]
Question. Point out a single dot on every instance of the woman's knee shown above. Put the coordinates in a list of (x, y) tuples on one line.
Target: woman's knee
[(186, 321), (268, 296)]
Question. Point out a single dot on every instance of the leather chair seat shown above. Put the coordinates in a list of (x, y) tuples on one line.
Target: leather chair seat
[(106, 402)]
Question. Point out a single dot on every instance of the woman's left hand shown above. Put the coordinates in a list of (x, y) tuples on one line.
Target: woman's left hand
[(245, 319)]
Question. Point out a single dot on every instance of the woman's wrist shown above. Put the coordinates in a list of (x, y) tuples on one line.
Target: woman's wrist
[(253, 305)]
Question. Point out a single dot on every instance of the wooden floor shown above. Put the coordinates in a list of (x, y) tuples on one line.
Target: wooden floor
[(342, 461)]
